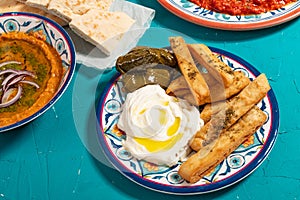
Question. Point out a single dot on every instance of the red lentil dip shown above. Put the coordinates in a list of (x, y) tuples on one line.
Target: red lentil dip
[(242, 7), (26, 54)]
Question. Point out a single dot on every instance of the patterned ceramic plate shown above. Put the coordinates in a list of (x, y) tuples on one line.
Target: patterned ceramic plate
[(208, 18), (56, 36), (234, 168)]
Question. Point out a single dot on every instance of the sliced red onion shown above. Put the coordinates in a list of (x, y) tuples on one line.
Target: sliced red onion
[(25, 72), (8, 78), (13, 100), (9, 62), (30, 83), (13, 81), (15, 77), (7, 94), (17, 72), (8, 71)]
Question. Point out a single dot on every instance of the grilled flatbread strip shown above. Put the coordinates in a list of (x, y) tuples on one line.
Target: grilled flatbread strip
[(176, 85), (239, 83), (189, 70), (218, 69), (180, 88), (211, 109), (198, 166), (232, 111)]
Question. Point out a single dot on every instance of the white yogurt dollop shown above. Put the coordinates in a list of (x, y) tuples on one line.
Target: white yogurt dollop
[(158, 127)]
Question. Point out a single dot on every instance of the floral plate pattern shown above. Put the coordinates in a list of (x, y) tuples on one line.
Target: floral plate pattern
[(198, 15), (244, 160), (52, 33)]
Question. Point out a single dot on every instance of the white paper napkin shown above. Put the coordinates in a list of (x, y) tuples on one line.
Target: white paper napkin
[(91, 56)]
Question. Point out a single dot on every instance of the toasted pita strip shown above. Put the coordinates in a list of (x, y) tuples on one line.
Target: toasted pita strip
[(180, 88), (234, 109), (188, 68), (218, 93), (239, 83), (177, 84), (180, 84), (191, 99), (218, 69), (211, 109), (181, 93), (199, 164), (209, 79)]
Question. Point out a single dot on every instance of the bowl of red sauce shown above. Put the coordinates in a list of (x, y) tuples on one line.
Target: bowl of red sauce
[(237, 15), (37, 63), (242, 7)]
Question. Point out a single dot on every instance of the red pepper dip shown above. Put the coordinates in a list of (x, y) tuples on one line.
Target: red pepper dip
[(242, 7)]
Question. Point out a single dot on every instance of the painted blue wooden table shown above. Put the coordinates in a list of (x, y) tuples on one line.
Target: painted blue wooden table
[(57, 156)]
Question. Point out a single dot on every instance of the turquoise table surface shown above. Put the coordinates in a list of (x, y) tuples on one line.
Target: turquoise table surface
[(57, 156)]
